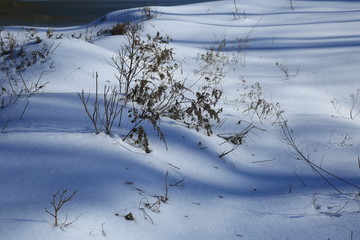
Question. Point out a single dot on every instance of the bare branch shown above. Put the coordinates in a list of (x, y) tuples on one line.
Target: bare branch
[(288, 138), (57, 202)]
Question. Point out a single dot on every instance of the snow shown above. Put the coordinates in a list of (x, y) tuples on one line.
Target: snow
[(258, 191)]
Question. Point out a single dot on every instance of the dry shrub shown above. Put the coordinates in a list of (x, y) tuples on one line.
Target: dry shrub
[(119, 29)]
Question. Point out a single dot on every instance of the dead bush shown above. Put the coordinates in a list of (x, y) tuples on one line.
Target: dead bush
[(119, 29)]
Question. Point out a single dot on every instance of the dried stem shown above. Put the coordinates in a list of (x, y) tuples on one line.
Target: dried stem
[(287, 136)]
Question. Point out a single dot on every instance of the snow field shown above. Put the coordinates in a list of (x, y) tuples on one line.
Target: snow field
[(258, 191)]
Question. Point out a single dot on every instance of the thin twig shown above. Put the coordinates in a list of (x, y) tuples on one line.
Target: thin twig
[(166, 186), (5, 125), (289, 139), (102, 229), (178, 183), (262, 161), (179, 168), (299, 178), (22, 114), (146, 216), (66, 224)]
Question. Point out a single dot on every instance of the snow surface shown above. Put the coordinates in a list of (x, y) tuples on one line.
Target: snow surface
[(258, 191)]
